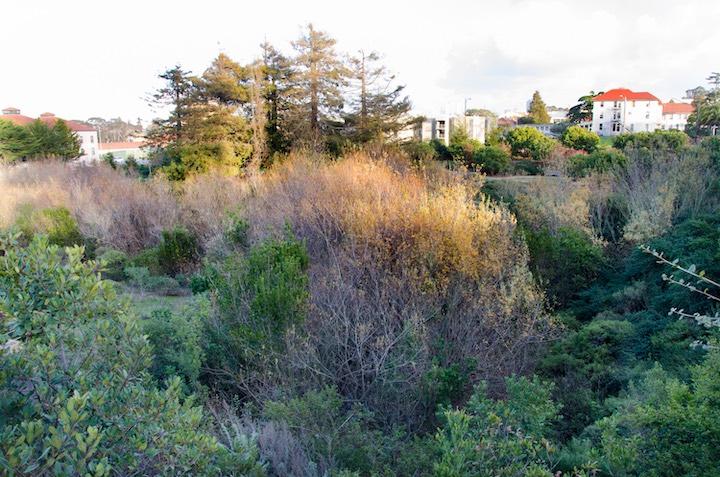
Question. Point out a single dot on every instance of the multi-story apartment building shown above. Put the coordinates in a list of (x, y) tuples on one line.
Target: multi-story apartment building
[(441, 128), (621, 110), (87, 135)]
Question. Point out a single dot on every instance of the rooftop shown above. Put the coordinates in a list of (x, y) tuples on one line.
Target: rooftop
[(622, 94)]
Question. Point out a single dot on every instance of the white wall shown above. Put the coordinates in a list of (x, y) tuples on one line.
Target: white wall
[(88, 145), (627, 116)]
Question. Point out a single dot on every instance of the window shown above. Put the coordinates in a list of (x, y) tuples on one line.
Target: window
[(633, 104), (601, 115), (647, 115), (92, 139), (600, 126), (616, 127), (616, 104), (602, 104)]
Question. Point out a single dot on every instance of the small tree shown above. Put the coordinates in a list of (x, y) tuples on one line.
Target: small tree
[(529, 142), (537, 110), (579, 138)]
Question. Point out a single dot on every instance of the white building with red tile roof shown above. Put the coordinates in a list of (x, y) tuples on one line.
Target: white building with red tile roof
[(621, 110), (87, 134)]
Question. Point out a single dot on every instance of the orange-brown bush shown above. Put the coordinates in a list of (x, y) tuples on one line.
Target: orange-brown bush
[(119, 211), (403, 271)]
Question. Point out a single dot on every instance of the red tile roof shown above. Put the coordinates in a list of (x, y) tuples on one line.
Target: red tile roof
[(104, 146), (17, 119), (47, 118), (678, 108), (620, 94)]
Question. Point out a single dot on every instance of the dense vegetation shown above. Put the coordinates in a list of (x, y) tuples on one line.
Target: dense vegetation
[(284, 290)]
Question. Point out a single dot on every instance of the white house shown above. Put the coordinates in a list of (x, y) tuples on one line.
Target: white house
[(624, 111), (675, 115), (87, 134), (122, 151)]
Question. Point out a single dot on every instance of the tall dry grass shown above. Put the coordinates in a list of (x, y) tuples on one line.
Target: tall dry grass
[(118, 210)]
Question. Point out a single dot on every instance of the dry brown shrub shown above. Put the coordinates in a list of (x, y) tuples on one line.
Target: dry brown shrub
[(401, 271)]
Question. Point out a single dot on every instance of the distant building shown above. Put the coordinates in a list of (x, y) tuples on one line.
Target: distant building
[(621, 110), (557, 115), (87, 134), (441, 128), (122, 151), (675, 115)]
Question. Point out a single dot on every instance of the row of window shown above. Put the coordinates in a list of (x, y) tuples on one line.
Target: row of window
[(616, 104)]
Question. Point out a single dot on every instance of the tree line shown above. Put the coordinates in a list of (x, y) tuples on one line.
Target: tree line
[(235, 115)]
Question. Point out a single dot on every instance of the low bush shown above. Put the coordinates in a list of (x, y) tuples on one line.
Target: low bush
[(576, 137), (178, 251), (176, 340), (604, 160), (492, 160), (55, 222), (144, 281), (114, 264), (77, 396)]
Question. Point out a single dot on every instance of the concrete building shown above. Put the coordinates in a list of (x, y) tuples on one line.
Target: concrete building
[(624, 111), (441, 128), (87, 134)]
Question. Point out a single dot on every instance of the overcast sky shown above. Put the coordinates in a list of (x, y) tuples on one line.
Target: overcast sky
[(98, 58)]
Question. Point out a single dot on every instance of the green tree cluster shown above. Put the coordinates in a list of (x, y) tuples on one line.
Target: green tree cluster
[(38, 140)]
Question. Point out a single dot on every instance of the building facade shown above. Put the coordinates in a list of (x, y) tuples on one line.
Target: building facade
[(87, 134), (621, 110), (441, 128)]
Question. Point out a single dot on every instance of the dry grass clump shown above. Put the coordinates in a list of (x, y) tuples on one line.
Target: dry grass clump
[(403, 271), (118, 210)]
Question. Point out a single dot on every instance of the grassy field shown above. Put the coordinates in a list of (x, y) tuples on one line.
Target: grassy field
[(144, 303)]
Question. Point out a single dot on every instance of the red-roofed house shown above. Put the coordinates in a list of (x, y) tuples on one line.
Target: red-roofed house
[(621, 110), (675, 115), (87, 134)]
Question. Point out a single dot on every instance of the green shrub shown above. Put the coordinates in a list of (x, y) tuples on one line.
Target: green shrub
[(176, 341), (492, 159), (499, 437), (576, 137), (604, 160), (529, 143), (257, 299), (236, 231), (76, 395), (178, 251), (55, 222), (149, 259), (114, 264), (419, 151), (565, 260), (140, 278), (661, 139)]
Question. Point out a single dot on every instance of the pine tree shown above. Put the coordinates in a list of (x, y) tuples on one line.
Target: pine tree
[(321, 76), (277, 91), (583, 110), (177, 93), (537, 110), (377, 108)]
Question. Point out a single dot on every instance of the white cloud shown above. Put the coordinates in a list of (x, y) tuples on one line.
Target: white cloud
[(99, 58)]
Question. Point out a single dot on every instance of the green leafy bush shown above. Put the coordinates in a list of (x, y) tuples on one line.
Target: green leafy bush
[(604, 160), (178, 251), (176, 341), (140, 278), (661, 139), (77, 398), (492, 159), (576, 137), (114, 264), (419, 151), (529, 143), (55, 222)]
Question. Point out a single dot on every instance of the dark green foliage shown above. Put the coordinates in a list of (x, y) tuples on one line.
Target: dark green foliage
[(178, 251), (37, 140), (419, 151), (671, 140), (176, 342), (236, 231), (604, 160), (565, 261), (257, 298), (712, 146), (492, 160), (144, 281), (445, 385)]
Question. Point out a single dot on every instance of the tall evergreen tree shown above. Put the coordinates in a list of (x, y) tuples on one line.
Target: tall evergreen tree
[(277, 90), (537, 111), (177, 93), (377, 104), (321, 76)]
